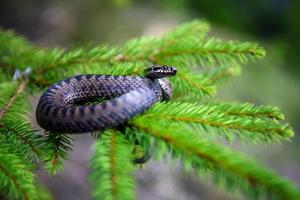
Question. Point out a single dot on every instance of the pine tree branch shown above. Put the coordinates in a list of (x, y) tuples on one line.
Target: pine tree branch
[(186, 144), (14, 126), (102, 54), (14, 50), (112, 164), (194, 84), (189, 84), (20, 88), (211, 52), (14, 181), (112, 174), (250, 110), (109, 54), (16, 178), (226, 119), (217, 75), (21, 136), (18, 53), (182, 46), (56, 147), (117, 69)]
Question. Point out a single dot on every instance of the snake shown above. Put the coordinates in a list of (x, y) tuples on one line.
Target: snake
[(62, 108)]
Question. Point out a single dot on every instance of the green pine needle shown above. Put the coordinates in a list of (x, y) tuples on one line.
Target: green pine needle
[(241, 172), (113, 171), (14, 125), (245, 121), (16, 178), (56, 147)]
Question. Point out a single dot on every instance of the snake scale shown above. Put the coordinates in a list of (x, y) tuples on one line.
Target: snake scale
[(125, 97)]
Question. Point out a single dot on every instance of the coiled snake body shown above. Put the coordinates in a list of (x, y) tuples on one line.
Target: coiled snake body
[(125, 97)]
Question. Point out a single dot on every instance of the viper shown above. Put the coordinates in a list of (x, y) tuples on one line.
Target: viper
[(62, 107)]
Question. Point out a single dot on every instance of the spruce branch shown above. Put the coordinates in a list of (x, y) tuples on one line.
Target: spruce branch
[(247, 122), (182, 46), (195, 84), (56, 147), (20, 88), (109, 54), (14, 49), (209, 53), (217, 75), (16, 179), (117, 69), (250, 110), (189, 147), (22, 137), (192, 85), (17, 53), (112, 175), (14, 121)]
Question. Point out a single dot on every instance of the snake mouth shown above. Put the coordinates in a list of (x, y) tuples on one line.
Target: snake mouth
[(169, 73), (167, 70), (172, 72)]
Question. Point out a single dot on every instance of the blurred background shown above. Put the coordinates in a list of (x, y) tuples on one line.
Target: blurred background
[(275, 24)]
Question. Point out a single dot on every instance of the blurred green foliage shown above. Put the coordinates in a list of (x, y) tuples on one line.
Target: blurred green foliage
[(274, 21)]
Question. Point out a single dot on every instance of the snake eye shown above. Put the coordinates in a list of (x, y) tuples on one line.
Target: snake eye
[(165, 67)]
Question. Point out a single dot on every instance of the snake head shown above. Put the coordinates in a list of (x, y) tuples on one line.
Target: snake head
[(160, 71)]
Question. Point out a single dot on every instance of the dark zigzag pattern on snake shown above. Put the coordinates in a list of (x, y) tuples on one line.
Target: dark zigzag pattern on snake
[(126, 96)]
